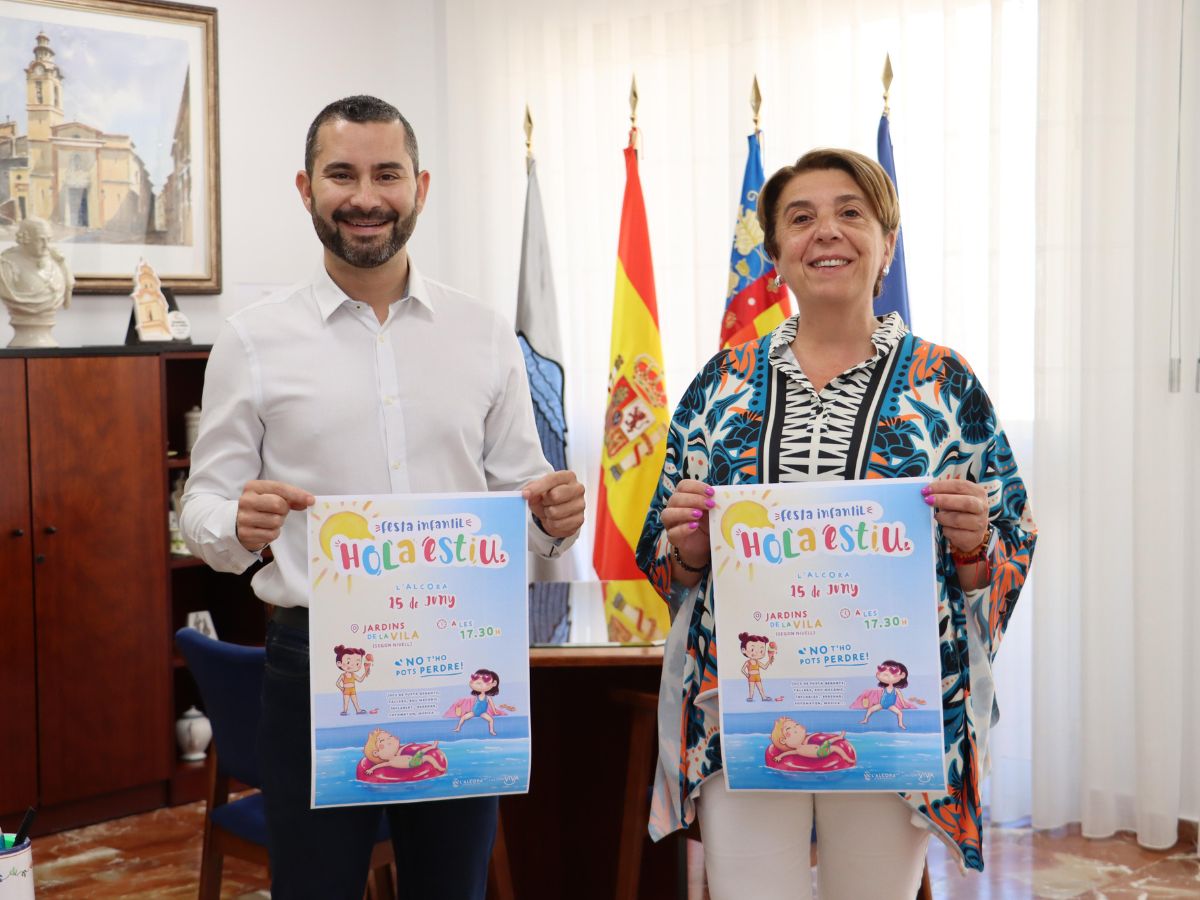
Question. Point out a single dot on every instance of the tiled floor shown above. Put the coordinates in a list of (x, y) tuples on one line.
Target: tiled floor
[(158, 854), (1061, 863)]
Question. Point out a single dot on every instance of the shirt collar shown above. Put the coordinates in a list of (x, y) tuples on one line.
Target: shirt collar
[(888, 333), (330, 297)]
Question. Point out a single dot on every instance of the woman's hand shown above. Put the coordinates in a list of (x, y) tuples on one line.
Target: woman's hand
[(685, 519), (962, 511)]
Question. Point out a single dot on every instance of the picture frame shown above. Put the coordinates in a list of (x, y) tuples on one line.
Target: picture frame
[(109, 131), (201, 620)]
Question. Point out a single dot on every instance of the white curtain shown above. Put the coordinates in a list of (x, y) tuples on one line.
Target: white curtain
[(963, 108), (1116, 705)]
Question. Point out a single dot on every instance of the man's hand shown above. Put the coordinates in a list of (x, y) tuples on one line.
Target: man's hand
[(262, 508), (557, 502)]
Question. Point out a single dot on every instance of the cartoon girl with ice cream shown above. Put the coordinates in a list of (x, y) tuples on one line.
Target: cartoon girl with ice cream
[(352, 661), (756, 648)]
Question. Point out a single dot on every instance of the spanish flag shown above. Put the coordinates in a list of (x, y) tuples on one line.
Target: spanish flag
[(753, 304), (636, 421)]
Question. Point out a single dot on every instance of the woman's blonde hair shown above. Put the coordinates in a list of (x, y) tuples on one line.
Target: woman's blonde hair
[(870, 177)]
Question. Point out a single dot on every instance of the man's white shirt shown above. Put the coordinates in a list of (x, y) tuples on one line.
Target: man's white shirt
[(308, 388)]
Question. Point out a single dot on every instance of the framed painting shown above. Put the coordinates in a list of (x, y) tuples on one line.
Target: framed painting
[(109, 134)]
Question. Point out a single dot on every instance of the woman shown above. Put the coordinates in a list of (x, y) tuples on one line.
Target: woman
[(833, 393)]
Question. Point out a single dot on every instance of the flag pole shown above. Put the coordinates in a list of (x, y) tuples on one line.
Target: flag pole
[(887, 81)]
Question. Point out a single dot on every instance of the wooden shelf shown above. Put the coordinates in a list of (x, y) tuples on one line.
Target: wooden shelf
[(191, 584)]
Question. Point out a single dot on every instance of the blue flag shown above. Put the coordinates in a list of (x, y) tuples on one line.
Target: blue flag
[(895, 284)]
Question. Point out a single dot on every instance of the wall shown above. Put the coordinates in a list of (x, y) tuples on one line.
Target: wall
[(280, 61)]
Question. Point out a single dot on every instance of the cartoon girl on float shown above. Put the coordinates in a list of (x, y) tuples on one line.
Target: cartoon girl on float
[(485, 684), (892, 676)]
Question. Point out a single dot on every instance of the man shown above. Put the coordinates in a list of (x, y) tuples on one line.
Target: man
[(371, 379), (34, 282)]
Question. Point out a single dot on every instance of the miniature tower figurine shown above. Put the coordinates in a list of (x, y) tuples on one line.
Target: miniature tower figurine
[(149, 305)]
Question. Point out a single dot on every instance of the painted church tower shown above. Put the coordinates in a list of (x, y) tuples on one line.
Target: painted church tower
[(43, 91)]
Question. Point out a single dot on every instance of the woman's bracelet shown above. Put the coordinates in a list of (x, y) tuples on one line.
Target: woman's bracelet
[(975, 555), (679, 559)]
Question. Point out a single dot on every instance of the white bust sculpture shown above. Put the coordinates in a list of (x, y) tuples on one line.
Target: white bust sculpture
[(34, 282)]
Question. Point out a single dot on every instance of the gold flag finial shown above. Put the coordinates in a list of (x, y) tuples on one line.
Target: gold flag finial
[(887, 81), (634, 134), (528, 134), (755, 101)]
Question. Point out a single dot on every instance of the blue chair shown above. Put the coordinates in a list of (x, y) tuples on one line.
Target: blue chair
[(229, 677)]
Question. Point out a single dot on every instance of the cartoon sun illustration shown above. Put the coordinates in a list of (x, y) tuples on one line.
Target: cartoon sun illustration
[(746, 514), (338, 523)]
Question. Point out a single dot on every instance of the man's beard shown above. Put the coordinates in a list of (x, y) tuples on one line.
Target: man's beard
[(363, 255)]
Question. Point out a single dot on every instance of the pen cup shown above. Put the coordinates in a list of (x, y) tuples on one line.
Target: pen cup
[(16, 870)]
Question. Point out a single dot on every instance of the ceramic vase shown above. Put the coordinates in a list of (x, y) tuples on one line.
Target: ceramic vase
[(193, 731)]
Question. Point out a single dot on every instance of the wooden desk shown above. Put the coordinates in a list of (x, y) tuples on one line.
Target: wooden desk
[(575, 657), (563, 835)]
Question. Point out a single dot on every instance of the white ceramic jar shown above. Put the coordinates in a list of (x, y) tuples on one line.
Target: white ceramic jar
[(194, 732)]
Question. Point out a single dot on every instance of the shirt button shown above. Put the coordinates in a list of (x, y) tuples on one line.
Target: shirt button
[(396, 466), (390, 401), (380, 339)]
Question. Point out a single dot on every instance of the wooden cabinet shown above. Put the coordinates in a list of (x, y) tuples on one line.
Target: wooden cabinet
[(95, 446), (18, 722), (91, 596)]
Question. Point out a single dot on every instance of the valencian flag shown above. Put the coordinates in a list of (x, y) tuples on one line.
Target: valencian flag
[(895, 284), (538, 335), (753, 305), (635, 427)]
